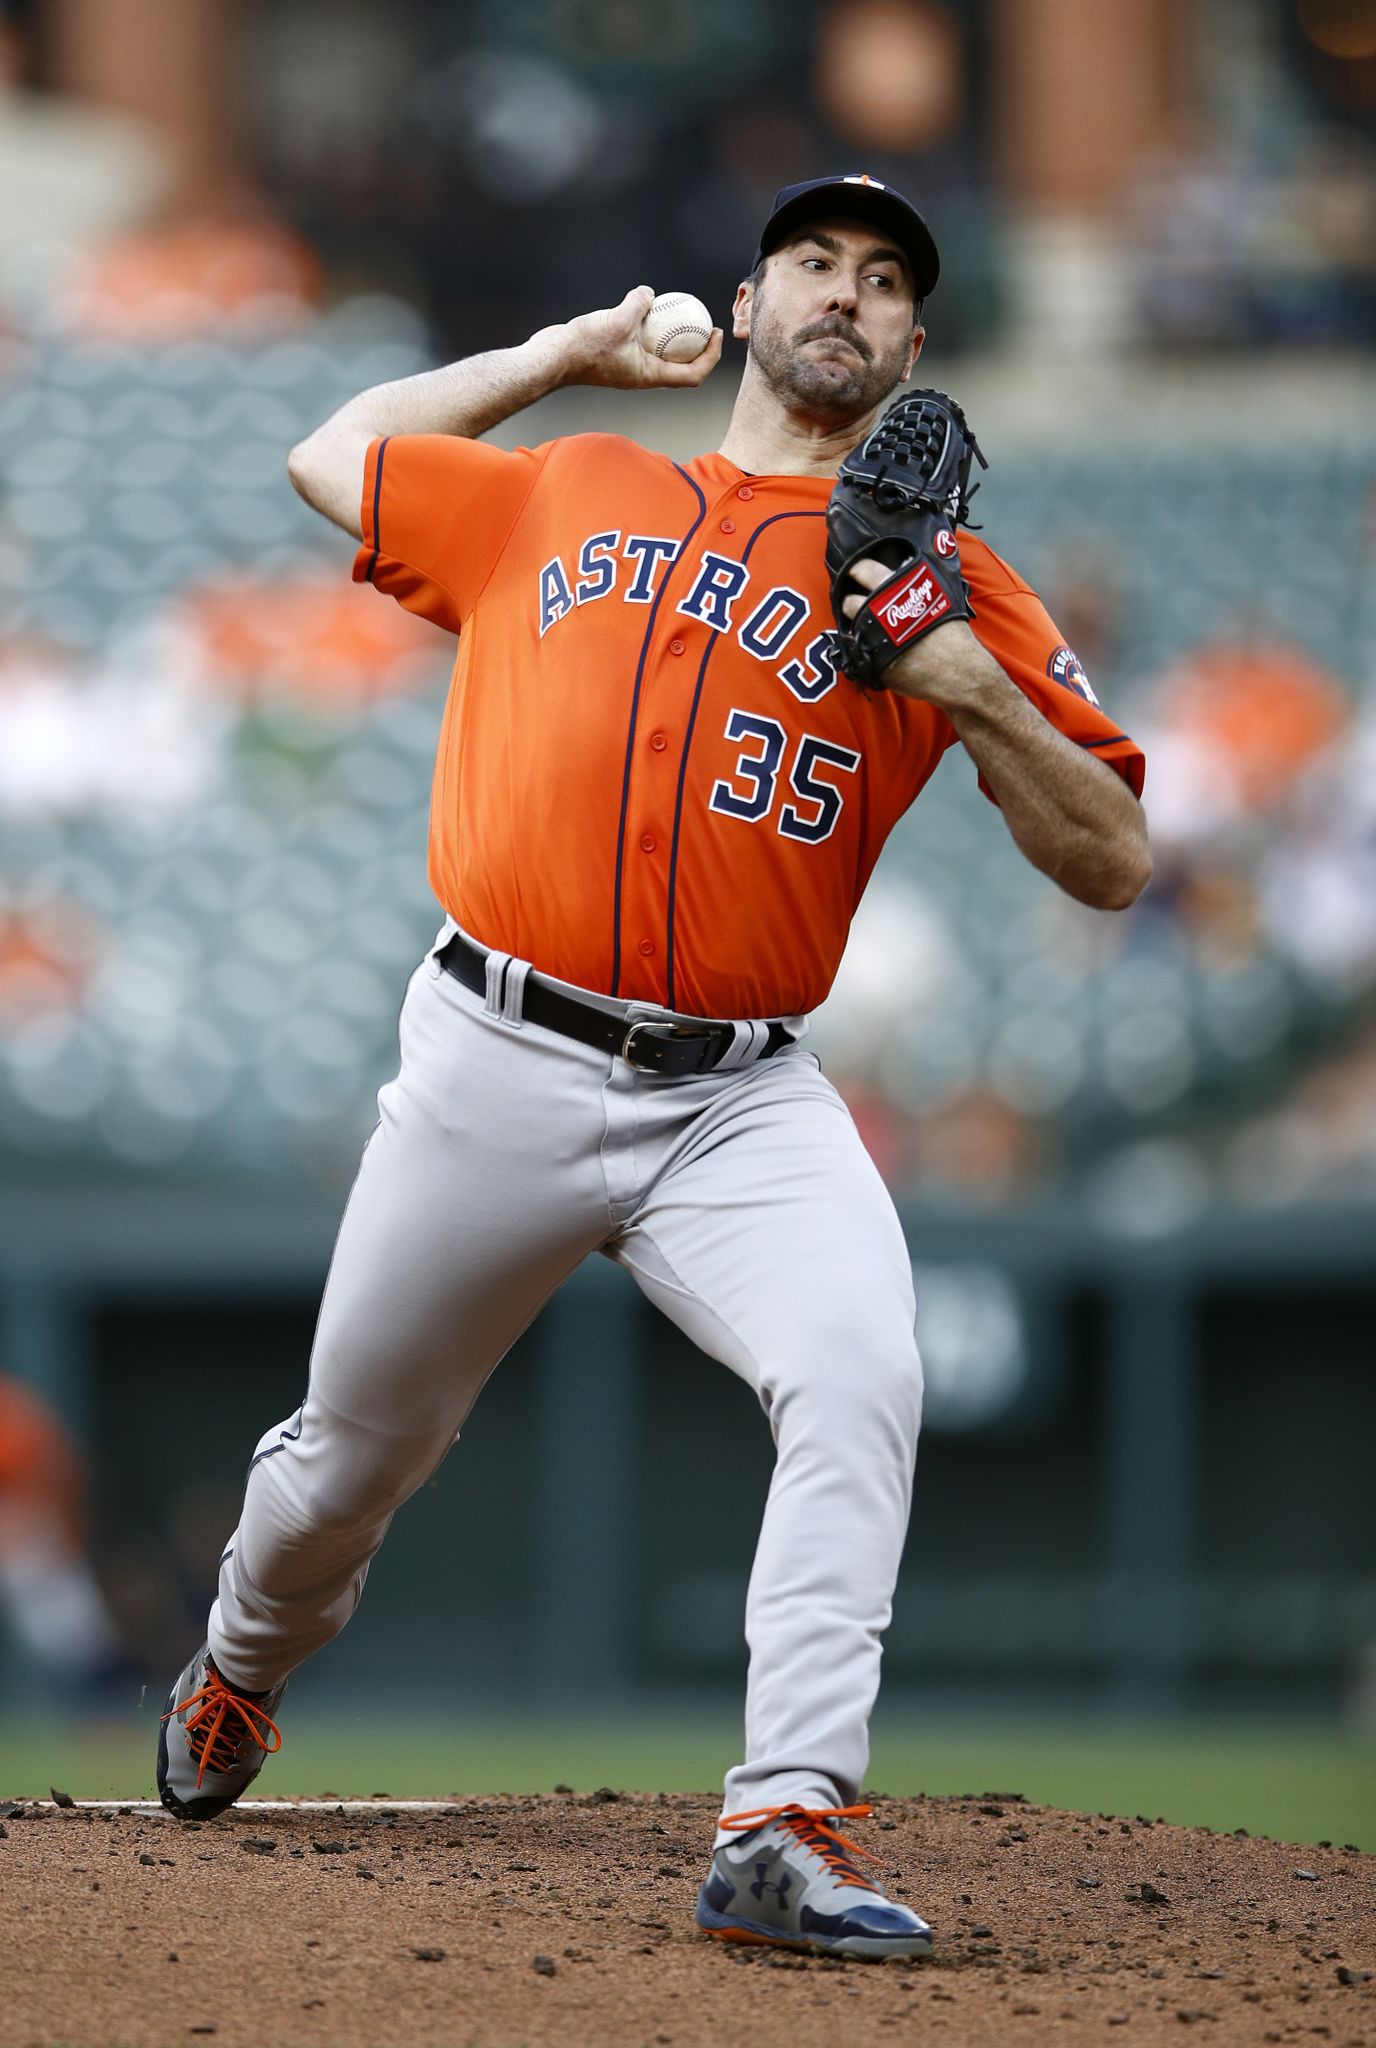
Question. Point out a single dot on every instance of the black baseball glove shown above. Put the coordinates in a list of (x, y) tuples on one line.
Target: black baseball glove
[(897, 499)]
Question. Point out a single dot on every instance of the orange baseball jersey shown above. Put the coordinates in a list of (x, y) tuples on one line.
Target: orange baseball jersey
[(652, 781)]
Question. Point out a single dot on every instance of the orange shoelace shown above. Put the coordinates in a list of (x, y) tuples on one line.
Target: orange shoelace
[(806, 1823), (211, 1732)]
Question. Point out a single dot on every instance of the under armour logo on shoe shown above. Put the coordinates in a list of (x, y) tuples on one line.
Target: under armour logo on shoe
[(762, 1884)]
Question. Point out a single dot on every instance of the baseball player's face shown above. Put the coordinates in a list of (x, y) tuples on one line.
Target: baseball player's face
[(830, 322)]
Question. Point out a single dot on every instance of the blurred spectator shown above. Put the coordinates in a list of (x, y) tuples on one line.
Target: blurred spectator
[(1334, 197), (900, 963), (1189, 217), (48, 1593), (1234, 251), (125, 731), (312, 635), (1317, 877), (902, 973), (898, 967), (206, 277), (1236, 727), (1238, 723)]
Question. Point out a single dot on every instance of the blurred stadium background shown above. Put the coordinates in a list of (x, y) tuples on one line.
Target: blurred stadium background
[(1136, 1156)]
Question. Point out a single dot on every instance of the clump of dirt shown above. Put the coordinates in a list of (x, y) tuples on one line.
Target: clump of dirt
[(566, 1922)]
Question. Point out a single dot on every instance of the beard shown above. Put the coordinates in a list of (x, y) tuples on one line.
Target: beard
[(819, 384)]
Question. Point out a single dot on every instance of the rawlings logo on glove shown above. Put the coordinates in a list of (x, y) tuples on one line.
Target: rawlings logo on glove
[(918, 602), (896, 500)]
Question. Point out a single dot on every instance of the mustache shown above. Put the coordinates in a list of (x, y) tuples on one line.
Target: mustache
[(834, 328)]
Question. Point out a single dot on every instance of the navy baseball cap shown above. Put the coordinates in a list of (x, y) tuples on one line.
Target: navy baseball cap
[(867, 198)]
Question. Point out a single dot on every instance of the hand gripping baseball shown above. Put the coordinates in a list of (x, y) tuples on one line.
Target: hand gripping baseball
[(897, 500), (606, 348)]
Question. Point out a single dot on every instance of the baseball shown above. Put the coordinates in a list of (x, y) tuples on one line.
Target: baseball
[(677, 327)]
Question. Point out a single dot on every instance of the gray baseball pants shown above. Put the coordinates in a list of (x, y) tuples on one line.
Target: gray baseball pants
[(745, 1206)]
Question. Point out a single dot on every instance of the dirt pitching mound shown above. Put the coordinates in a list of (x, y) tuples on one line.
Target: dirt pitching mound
[(565, 1922)]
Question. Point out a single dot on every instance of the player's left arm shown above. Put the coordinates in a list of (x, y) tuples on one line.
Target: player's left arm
[(1073, 816)]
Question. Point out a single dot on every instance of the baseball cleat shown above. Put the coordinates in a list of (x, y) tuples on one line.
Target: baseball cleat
[(793, 1882), (213, 1740)]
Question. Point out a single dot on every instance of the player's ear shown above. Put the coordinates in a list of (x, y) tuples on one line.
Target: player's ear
[(740, 312), (919, 336)]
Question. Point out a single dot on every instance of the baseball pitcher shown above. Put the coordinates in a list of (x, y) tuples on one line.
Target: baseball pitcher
[(690, 703)]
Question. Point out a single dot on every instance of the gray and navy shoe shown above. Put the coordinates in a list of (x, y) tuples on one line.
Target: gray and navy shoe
[(213, 1740), (793, 1882)]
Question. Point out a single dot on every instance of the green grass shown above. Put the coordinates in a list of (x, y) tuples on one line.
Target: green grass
[(1299, 1782)]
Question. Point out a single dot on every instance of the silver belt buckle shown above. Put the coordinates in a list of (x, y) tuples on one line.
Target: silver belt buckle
[(665, 1030), (628, 1045)]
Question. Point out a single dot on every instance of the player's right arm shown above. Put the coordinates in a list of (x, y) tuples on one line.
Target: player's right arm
[(469, 397)]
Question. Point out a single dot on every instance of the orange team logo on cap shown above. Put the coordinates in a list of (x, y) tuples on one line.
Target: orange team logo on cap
[(864, 178)]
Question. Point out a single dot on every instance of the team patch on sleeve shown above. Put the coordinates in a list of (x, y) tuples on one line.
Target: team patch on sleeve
[(1064, 667)]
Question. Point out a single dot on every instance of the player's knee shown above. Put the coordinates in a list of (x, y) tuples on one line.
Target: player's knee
[(347, 1478)]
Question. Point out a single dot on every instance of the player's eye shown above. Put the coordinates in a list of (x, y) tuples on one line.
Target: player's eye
[(882, 278)]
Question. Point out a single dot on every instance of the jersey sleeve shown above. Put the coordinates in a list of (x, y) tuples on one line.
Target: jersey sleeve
[(436, 513), (1013, 624), (415, 593)]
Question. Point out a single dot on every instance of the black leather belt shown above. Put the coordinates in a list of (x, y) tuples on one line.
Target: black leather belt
[(649, 1045)]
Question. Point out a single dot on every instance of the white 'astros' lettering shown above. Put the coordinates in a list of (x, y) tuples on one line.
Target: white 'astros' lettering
[(606, 563)]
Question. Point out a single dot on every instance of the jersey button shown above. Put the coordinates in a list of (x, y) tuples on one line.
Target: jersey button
[(648, 842), (658, 742), (675, 647), (647, 946), (728, 526), (745, 492)]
